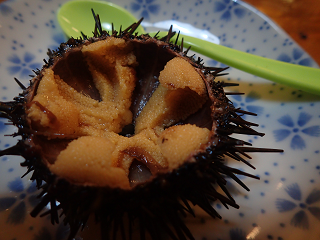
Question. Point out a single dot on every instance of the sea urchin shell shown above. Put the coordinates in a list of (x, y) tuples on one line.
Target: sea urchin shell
[(121, 125)]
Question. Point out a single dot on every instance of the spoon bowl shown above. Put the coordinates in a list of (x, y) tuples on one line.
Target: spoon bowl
[(75, 17)]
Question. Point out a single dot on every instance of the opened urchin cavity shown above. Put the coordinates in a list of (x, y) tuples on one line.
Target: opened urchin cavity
[(125, 125), (91, 95)]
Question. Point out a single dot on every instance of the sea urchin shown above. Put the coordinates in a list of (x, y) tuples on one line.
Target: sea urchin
[(121, 126)]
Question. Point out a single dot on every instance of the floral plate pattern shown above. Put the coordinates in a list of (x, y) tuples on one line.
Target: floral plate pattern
[(283, 205)]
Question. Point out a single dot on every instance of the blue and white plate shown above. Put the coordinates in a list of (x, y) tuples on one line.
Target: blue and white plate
[(283, 205)]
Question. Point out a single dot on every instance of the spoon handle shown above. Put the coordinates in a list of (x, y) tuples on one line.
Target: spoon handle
[(300, 77)]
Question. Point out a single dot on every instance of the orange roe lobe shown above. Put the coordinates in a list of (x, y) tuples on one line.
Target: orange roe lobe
[(181, 92), (87, 160), (49, 97), (178, 142), (178, 73)]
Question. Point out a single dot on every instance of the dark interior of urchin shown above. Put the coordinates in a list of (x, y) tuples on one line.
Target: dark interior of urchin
[(152, 58)]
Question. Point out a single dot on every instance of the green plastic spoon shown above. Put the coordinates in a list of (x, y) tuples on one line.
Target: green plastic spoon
[(76, 16)]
